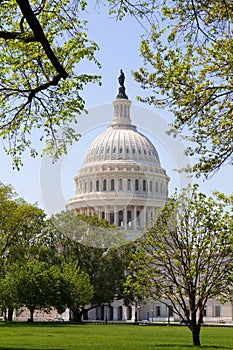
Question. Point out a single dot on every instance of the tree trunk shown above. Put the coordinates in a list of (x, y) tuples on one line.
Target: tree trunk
[(31, 314), (196, 335), (10, 314), (77, 315)]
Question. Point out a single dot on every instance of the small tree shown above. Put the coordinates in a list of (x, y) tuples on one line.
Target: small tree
[(99, 250), (186, 257), (80, 290), (37, 286)]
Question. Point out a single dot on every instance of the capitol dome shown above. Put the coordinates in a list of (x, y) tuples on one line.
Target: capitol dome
[(121, 178)]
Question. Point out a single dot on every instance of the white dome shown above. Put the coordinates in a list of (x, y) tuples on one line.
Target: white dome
[(122, 142), (121, 178)]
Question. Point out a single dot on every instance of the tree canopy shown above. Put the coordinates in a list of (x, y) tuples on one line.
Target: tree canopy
[(188, 69), (42, 45), (185, 259)]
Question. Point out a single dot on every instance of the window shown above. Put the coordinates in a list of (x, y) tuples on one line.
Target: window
[(144, 185), (136, 185), (120, 218), (114, 150), (151, 187), (156, 186), (157, 311), (129, 184), (91, 186), (120, 184), (105, 185), (112, 185), (120, 149), (97, 185), (217, 311), (111, 218), (129, 218)]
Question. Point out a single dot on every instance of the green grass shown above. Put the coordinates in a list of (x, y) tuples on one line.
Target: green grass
[(36, 336)]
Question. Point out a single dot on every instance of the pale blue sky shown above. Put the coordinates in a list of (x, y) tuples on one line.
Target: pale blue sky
[(118, 49)]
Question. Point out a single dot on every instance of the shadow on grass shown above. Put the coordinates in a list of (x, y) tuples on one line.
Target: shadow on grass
[(179, 346), (10, 348)]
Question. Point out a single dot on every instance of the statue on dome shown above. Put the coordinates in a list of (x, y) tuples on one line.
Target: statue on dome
[(121, 80)]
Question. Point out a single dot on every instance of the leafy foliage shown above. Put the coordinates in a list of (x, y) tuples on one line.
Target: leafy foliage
[(188, 68), (185, 259), (42, 44), (20, 225), (80, 290), (98, 249)]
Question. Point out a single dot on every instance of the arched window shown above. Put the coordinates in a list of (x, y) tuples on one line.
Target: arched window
[(144, 185), (129, 312), (156, 186), (112, 185), (151, 187), (97, 185), (91, 186), (105, 185), (120, 185), (129, 184), (136, 185), (119, 313)]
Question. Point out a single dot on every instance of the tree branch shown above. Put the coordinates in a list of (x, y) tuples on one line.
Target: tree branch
[(17, 35), (40, 36)]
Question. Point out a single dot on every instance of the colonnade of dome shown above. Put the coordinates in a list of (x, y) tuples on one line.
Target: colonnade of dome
[(121, 178)]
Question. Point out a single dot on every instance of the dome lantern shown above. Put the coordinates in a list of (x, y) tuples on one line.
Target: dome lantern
[(121, 104)]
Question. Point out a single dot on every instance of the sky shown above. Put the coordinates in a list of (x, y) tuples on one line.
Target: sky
[(39, 181)]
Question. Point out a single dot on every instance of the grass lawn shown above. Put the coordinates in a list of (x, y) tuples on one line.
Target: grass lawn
[(108, 337)]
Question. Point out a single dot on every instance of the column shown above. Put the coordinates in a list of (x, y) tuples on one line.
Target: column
[(134, 313), (144, 217), (134, 218), (106, 214), (115, 313), (116, 216), (124, 313)]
